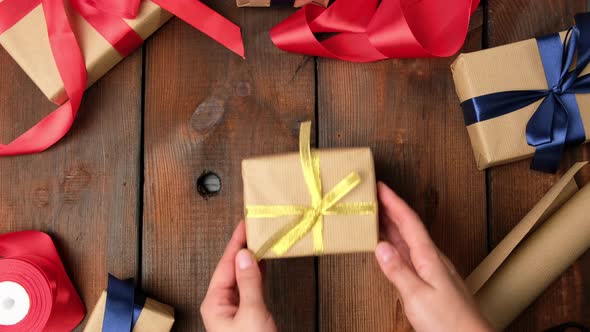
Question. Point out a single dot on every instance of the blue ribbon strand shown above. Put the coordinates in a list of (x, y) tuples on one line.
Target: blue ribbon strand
[(557, 121), (123, 306)]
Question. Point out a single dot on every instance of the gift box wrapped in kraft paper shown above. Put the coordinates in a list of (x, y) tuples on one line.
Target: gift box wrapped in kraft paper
[(28, 43), (527, 98), (314, 202), (535, 253), (123, 309), (269, 3), (66, 46)]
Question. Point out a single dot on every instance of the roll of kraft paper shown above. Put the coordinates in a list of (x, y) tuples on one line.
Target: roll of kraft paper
[(35, 291), (535, 253)]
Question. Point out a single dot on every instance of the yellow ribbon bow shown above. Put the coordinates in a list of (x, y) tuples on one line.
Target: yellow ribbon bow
[(311, 216)]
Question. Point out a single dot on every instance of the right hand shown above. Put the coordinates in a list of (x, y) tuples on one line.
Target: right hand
[(434, 295)]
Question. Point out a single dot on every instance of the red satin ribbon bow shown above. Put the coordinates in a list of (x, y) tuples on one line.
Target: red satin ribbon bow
[(369, 30), (106, 16), (31, 260)]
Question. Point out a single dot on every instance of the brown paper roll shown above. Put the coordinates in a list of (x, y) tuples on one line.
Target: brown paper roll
[(505, 287)]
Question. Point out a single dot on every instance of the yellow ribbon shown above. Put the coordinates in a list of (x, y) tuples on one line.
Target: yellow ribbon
[(311, 216)]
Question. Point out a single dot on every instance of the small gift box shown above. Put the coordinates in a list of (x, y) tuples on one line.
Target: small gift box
[(123, 309), (527, 98), (269, 3), (27, 42), (312, 203), (535, 253)]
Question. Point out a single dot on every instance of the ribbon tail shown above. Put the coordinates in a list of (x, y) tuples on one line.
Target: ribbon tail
[(540, 126), (207, 21), (548, 155)]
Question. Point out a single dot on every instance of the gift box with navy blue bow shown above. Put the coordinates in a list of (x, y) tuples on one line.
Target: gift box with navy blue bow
[(122, 308), (528, 98)]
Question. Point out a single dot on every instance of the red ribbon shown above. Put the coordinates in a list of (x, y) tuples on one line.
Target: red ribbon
[(106, 16), (31, 260), (369, 30)]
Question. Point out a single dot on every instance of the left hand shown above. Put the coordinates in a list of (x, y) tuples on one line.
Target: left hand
[(235, 299)]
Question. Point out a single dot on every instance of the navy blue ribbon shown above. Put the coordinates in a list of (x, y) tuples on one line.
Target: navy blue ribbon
[(123, 306), (557, 121)]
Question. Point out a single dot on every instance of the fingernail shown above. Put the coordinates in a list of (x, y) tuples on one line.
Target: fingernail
[(384, 252), (244, 259)]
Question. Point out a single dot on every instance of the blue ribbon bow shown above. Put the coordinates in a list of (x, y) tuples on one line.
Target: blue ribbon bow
[(123, 307), (557, 121)]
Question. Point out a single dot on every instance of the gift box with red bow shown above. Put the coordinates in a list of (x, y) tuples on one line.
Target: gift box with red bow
[(67, 45)]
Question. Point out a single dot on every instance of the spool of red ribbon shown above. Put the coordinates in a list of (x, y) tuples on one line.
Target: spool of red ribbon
[(35, 291)]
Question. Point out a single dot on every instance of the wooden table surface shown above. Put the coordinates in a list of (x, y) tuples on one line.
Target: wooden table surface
[(118, 194)]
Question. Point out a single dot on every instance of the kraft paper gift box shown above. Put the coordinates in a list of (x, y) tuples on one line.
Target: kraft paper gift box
[(268, 3), (279, 181), (28, 43), (535, 253), (154, 317), (511, 67)]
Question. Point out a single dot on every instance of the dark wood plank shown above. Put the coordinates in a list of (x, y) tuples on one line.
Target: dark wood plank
[(84, 190), (514, 189), (408, 113), (207, 109)]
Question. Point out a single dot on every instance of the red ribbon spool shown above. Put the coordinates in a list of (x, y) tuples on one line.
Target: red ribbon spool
[(30, 260)]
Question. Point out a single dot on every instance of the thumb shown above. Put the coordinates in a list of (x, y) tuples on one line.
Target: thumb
[(249, 280), (397, 270)]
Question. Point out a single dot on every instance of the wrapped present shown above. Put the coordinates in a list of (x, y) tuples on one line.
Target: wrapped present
[(123, 309), (535, 253), (66, 45), (312, 203), (527, 98), (268, 3)]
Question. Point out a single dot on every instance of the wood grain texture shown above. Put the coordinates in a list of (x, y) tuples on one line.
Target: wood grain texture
[(207, 109), (84, 190), (514, 189), (408, 113)]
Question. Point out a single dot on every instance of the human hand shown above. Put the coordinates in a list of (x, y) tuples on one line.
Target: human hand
[(235, 300), (433, 294)]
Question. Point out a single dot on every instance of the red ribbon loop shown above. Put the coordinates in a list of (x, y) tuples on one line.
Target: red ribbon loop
[(106, 16), (369, 30)]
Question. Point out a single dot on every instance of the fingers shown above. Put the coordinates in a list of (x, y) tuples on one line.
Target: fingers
[(423, 252), (391, 233), (224, 276), (397, 271), (249, 280)]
